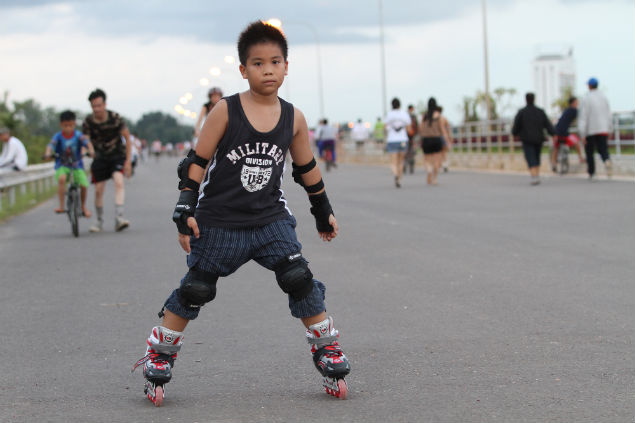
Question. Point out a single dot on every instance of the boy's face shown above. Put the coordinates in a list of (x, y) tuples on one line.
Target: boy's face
[(68, 127), (265, 68)]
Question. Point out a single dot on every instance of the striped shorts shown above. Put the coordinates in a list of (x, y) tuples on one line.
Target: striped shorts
[(223, 250)]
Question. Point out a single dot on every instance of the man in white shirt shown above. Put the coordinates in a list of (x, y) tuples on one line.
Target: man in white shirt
[(359, 134), (397, 123), (13, 155), (594, 126)]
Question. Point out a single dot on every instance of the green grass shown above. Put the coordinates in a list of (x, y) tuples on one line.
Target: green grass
[(24, 201)]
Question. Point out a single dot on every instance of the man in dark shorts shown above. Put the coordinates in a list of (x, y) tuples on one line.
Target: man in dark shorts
[(530, 124), (113, 158)]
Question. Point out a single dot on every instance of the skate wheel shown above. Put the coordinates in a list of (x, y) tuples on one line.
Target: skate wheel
[(343, 389), (158, 396)]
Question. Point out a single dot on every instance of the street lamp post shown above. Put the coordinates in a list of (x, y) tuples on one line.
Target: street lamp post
[(278, 24), (319, 68), (382, 57), (486, 62)]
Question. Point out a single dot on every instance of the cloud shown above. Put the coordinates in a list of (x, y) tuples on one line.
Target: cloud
[(220, 22), (61, 52)]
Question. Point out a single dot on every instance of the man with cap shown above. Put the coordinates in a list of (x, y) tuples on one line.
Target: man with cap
[(594, 126)]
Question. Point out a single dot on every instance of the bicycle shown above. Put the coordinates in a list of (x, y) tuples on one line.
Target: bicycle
[(563, 158), (73, 197), (329, 155)]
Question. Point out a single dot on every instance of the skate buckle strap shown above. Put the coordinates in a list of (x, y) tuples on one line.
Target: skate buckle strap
[(320, 342), (156, 357), (140, 362)]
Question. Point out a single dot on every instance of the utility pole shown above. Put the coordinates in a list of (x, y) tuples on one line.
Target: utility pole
[(383, 58), (486, 62)]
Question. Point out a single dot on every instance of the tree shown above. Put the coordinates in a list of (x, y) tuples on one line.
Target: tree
[(16, 120), (475, 107), (160, 126), (563, 102), (35, 126)]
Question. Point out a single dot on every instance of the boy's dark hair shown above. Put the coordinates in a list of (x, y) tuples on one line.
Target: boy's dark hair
[(98, 92), (530, 98), (572, 100), (395, 103), (67, 115), (257, 33)]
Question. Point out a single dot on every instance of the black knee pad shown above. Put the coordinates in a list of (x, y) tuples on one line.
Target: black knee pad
[(197, 288), (294, 277)]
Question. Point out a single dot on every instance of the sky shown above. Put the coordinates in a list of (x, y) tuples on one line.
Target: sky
[(147, 55)]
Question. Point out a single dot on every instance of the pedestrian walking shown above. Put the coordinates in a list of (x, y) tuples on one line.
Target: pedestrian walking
[(213, 95), (113, 158), (397, 124), (530, 125), (359, 134), (446, 139), (379, 132), (594, 126), (432, 131), (409, 159)]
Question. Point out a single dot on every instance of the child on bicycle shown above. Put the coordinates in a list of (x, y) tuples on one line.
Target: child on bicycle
[(562, 133), (69, 143), (242, 215)]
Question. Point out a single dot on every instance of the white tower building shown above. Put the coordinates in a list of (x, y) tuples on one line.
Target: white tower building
[(552, 74)]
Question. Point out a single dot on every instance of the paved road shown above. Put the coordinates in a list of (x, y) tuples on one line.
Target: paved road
[(480, 300)]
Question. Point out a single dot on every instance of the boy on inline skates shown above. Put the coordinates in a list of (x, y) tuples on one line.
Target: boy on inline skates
[(240, 213)]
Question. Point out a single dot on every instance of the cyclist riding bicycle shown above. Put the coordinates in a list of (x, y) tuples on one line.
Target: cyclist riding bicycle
[(327, 137), (69, 140), (562, 133)]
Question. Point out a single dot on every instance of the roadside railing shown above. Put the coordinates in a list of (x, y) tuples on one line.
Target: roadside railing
[(35, 182), (491, 145)]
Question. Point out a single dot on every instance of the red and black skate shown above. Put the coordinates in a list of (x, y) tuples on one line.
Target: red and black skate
[(329, 358)]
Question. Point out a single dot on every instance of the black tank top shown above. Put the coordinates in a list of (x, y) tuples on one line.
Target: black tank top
[(242, 185)]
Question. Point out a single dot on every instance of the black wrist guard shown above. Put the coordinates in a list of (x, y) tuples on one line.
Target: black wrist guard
[(185, 208), (321, 209)]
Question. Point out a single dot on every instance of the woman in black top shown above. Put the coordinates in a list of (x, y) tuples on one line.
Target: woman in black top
[(214, 94)]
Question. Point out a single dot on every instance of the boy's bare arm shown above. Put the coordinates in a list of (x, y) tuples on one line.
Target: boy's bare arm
[(300, 149)]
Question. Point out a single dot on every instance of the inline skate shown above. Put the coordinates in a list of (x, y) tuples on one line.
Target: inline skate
[(328, 357), (163, 345)]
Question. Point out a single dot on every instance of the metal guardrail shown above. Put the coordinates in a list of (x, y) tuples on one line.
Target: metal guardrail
[(491, 145), (37, 179), (483, 135)]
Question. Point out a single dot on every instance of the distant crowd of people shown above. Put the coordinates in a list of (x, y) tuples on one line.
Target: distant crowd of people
[(402, 133)]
